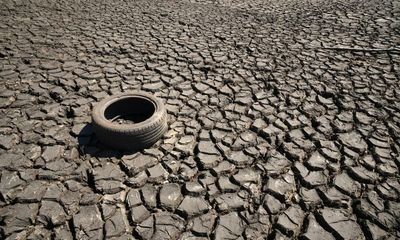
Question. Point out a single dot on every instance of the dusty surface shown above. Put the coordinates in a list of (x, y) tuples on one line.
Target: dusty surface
[(284, 119)]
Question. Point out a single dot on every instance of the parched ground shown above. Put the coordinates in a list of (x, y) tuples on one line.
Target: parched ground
[(284, 119)]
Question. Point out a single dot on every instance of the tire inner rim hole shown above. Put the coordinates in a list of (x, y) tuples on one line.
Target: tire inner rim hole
[(129, 110)]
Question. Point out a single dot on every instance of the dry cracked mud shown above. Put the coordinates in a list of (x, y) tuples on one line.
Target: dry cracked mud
[(284, 119)]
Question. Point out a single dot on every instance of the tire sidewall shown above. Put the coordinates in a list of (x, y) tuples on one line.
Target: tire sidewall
[(100, 122)]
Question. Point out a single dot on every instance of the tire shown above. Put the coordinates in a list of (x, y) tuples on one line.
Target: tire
[(146, 111)]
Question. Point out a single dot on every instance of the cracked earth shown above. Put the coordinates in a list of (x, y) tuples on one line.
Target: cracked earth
[(284, 119)]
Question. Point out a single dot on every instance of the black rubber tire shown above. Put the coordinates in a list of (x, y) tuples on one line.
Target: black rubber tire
[(129, 136)]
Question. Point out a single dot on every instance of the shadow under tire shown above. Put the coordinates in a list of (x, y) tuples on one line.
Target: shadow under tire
[(129, 121)]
